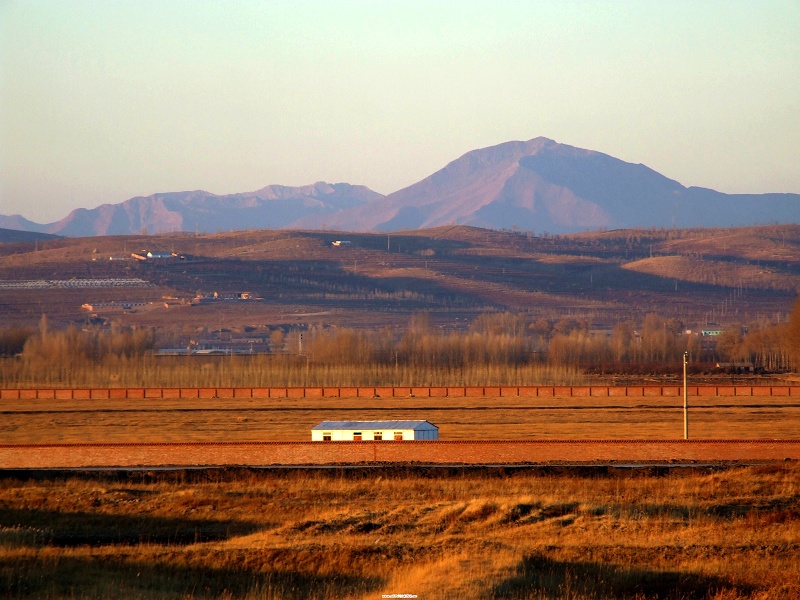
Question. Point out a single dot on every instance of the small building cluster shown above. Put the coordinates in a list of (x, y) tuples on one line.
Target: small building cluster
[(355, 431), (154, 255)]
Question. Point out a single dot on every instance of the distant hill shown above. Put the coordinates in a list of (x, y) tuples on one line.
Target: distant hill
[(15, 235), (272, 207), (452, 273), (538, 185)]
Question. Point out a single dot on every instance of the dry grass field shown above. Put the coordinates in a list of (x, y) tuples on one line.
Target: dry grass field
[(585, 534), (156, 420)]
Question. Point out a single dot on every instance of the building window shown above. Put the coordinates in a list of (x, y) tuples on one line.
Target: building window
[(357, 436), (378, 435), (326, 436), (398, 435)]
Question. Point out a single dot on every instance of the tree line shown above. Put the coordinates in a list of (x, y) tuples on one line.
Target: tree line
[(498, 348)]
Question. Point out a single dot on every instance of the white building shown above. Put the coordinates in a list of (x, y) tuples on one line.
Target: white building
[(341, 431)]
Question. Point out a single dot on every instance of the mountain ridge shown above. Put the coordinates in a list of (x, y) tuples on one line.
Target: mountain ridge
[(534, 185)]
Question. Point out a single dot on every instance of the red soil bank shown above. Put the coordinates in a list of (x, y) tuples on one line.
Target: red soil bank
[(17, 456)]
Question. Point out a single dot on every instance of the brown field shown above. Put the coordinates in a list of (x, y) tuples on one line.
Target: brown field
[(290, 419), (462, 533)]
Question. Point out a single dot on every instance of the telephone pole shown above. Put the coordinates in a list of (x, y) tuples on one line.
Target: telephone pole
[(685, 400)]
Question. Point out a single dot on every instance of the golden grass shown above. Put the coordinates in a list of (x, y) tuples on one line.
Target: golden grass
[(288, 419), (474, 533), (715, 272), (766, 243)]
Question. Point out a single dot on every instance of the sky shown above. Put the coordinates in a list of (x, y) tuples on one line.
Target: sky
[(101, 101)]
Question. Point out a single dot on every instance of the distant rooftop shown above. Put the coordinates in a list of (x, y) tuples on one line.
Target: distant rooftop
[(359, 425)]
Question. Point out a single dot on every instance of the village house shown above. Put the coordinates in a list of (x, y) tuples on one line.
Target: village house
[(355, 431)]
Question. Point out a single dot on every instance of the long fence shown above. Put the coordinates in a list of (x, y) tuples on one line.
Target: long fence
[(602, 391), (456, 452)]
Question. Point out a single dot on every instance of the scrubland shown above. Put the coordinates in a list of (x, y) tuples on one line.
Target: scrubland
[(450, 533)]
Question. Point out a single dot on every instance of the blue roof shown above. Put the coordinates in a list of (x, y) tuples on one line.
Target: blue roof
[(373, 425)]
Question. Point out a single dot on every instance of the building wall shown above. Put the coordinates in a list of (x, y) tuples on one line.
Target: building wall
[(367, 435), (426, 434)]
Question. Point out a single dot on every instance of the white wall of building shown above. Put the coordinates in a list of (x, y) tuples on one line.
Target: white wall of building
[(348, 435)]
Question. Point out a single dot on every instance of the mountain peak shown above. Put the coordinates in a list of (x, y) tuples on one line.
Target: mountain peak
[(513, 150)]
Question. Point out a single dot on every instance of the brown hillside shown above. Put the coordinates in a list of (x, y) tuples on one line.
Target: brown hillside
[(297, 278), (716, 272)]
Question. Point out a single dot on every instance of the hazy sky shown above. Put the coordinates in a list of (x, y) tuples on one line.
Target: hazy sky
[(104, 100)]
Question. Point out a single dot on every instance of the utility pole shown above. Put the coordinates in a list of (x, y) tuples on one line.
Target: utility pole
[(685, 400)]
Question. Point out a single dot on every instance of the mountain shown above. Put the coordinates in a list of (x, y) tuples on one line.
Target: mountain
[(541, 185), (536, 185), (20, 223), (18, 235), (272, 207)]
